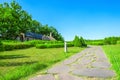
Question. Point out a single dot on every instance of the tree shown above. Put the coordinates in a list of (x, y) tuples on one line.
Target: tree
[(14, 20), (111, 40), (82, 41), (1, 46), (77, 42), (46, 30), (56, 34), (35, 26)]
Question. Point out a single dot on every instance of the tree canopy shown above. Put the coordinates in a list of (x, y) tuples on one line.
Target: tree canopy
[(79, 42), (14, 20)]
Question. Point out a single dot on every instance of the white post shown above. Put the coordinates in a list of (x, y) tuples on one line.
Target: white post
[(65, 46)]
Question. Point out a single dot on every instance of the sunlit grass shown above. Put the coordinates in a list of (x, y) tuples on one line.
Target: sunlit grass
[(113, 53), (21, 63)]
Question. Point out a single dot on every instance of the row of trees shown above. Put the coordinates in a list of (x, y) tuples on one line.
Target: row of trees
[(111, 40), (14, 20)]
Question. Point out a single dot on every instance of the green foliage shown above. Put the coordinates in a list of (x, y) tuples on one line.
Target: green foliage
[(82, 41), (79, 42), (118, 42), (110, 40), (34, 42), (94, 42), (24, 71), (1, 46), (113, 53), (46, 30), (76, 42), (70, 44), (15, 20), (41, 46), (19, 64), (8, 47), (12, 45), (53, 44)]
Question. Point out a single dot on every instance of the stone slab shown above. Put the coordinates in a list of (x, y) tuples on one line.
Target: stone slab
[(94, 72)]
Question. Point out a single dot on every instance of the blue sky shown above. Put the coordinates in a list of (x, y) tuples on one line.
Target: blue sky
[(91, 19)]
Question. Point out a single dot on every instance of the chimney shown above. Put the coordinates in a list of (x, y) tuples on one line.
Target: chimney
[(50, 34)]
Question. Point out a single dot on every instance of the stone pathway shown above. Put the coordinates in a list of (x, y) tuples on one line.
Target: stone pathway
[(90, 64)]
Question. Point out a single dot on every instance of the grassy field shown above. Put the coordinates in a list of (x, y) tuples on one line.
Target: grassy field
[(113, 53), (19, 64)]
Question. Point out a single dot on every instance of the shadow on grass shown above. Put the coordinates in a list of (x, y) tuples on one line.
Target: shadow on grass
[(7, 64), (12, 56), (23, 71)]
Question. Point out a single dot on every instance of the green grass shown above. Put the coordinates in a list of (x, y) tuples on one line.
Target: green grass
[(18, 64), (113, 53)]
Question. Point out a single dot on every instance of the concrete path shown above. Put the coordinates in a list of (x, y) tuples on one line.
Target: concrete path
[(90, 64)]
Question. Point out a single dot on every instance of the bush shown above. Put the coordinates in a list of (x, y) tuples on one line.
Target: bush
[(79, 42), (12, 46), (76, 42), (70, 44), (83, 44), (110, 40), (42, 46), (35, 42), (1, 46), (118, 42), (95, 42)]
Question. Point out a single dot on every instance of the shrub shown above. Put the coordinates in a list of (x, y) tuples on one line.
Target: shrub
[(12, 46), (35, 42), (79, 42), (95, 42), (70, 44), (42, 46), (76, 42), (110, 40), (118, 42), (1, 46), (82, 42)]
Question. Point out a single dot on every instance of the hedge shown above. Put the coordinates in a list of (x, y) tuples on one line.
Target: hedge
[(12, 45), (42, 46), (35, 42), (1, 46), (8, 47)]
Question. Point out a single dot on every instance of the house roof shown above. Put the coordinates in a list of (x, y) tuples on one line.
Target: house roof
[(33, 35)]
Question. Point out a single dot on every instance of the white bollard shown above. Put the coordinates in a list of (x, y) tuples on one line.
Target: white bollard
[(65, 46)]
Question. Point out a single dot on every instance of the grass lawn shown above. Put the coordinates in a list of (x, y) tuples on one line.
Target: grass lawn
[(113, 53), (19, 64)]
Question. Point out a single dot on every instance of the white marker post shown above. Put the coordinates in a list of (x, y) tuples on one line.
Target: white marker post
[(65, 46)]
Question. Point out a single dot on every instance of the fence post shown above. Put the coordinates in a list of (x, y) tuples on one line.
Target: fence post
[(65, 46)]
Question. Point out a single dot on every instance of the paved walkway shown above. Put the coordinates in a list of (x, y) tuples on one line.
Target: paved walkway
[(90, 64)]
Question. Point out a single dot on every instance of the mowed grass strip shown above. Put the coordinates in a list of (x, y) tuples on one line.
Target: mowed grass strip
[(18, 64), (113, 53)]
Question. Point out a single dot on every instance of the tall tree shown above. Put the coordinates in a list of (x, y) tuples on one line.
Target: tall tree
[(14, 20), (77, 42)]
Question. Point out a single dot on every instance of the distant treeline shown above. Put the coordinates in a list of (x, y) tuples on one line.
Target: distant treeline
[(14, 20), (105, 41)]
